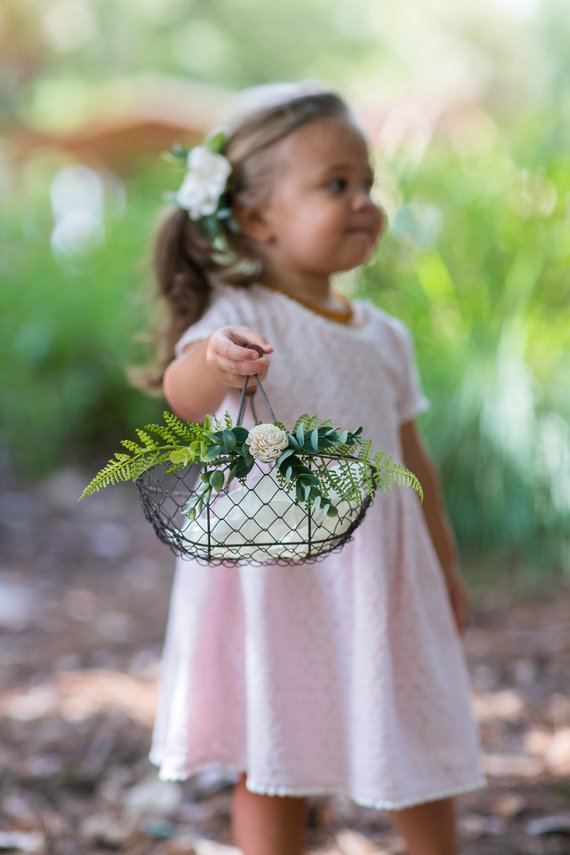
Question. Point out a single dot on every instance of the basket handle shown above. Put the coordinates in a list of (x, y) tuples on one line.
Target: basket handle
[(242, 401)]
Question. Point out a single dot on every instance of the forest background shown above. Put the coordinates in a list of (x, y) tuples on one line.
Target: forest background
[(468, 110)]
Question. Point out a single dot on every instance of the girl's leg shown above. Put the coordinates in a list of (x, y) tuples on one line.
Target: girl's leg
[(267, 825), (428, 829)]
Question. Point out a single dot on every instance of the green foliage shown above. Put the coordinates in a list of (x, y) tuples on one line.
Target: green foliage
[(68, 327), (175, 441), (227, 450), (476, 263)]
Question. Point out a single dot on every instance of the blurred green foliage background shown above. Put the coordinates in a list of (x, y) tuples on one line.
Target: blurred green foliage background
[(469, 114)]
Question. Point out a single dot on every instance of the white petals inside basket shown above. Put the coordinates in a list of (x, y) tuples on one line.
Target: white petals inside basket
[(261, 521)]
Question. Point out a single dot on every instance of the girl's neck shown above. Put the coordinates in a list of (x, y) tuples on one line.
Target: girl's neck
[(316, 289), (318, 297)]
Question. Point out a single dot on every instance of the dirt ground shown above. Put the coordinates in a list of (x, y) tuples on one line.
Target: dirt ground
[(83, 602)]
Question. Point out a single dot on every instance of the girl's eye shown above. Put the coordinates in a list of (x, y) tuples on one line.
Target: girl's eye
[(338, 185), (368, 185)]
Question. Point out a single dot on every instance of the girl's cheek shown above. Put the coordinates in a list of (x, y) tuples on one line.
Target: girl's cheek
[(382, 222)]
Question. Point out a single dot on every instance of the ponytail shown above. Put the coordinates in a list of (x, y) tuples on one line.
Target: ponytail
[(184, 264)]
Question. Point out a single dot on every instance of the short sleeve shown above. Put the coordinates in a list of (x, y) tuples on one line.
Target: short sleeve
[(411, 400), (228, 305)]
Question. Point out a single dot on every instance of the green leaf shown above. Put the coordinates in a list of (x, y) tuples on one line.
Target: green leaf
[(232, 473), (315, 440), (217, 480), (243, 467), (293, 442), (240, 433), (211, 453), (230, 440), (300, 434), (216, 141), (233, 226), (287, 453)]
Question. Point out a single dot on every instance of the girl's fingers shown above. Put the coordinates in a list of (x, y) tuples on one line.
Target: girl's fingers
[(235, 379), (242, 368), (233, 343), (231, 358)]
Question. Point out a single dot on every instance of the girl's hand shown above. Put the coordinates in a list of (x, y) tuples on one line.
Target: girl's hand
[(458, 599), (230, 360)]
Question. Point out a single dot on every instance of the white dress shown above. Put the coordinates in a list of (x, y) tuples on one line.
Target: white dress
[(342, 676)]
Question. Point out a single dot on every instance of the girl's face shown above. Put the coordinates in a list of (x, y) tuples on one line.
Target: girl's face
[(319, 218)]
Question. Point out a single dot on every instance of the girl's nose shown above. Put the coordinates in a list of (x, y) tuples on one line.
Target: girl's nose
[(362, 200)]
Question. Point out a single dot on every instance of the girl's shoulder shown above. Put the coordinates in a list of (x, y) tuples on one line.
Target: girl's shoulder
[(382, 320)]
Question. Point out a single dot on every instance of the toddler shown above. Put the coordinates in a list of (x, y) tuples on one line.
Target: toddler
[(345, 676)]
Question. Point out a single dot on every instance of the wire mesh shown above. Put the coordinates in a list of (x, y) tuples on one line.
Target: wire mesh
[(254, 521)]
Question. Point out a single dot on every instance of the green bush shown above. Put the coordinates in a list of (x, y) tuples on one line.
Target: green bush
[(67, 328), (476, 262)]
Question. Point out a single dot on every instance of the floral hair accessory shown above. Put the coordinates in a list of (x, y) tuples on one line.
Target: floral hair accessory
[(204, 189)]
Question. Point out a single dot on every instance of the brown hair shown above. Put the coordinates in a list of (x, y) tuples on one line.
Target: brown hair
[(184, 260)]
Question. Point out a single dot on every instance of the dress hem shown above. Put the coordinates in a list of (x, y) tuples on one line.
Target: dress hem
[(182, 773)]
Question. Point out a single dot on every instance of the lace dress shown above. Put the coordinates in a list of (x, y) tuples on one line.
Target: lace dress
[(342, 676)]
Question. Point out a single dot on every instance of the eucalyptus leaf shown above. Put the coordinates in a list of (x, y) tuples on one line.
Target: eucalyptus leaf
[(240, 434), (287, 453), (293, 442), (212, 453), (217, 480), (230, 440)]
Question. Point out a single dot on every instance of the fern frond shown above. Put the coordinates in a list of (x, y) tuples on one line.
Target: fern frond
[(146, 438), (132, 446), (123, 467), (187, 431), (307, 422), (365, 450), (163, 432), (406, 478)]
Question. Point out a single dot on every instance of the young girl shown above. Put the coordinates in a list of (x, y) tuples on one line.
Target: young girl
[(347, 675)]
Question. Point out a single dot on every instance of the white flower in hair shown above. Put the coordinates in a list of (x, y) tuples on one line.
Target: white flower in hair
[(204, 183), (267, 441)]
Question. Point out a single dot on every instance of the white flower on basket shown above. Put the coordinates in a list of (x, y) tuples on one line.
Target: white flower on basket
[(204, 183), (267, 442)]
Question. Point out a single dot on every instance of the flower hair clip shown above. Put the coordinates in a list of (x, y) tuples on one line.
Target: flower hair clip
[(204, 189)]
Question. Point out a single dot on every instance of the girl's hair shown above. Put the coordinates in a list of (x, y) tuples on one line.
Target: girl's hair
[(184, 261)]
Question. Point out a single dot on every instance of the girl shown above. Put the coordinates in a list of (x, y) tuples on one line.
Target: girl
[(343, 676)]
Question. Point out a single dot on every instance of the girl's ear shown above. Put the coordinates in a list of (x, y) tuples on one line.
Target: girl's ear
[(253, 222)]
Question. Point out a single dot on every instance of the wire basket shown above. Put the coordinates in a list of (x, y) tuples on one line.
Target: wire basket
[(257, 523), (256, 520)]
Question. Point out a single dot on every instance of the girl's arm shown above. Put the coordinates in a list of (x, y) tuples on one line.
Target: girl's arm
[(418, 460), (198, 380)]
